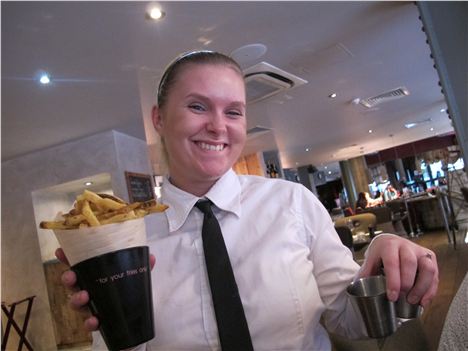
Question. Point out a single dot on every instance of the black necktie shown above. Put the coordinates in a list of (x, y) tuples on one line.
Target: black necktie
[(232, 326)]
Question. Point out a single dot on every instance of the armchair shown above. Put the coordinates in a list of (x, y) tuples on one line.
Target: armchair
[(361, 222)]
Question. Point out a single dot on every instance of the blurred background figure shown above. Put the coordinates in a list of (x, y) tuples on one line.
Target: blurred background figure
[(365, 200), (390, 193)]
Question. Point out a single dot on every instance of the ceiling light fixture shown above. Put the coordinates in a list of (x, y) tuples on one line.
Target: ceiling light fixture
[(205, 41), (44, 79), (442, 110), (155, 13), (370, 131), (332, 95), (88, 183), (417, 123), (432, 129), (307, 149)]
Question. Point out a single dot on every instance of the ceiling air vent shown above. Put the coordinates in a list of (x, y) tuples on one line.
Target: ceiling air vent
[(264, 80), (387, 96)]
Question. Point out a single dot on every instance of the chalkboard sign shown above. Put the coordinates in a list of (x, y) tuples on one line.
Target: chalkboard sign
[(139, 187)]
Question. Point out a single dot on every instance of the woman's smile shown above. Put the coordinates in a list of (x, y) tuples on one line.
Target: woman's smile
[(210, 146)]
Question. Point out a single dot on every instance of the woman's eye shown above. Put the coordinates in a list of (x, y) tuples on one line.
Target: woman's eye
[(197, 107), (235, 113)]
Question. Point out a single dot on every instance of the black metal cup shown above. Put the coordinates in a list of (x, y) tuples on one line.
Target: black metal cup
[(119, 287)]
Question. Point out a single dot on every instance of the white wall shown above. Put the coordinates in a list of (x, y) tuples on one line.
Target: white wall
[(46, 206), (22, 270)]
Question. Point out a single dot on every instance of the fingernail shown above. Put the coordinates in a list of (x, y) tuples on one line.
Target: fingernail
[(392, 295), (413, 299)]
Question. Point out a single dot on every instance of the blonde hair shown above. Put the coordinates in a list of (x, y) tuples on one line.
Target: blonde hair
[(193, 57)]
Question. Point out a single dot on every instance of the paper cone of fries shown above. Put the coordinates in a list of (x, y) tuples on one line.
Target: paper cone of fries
[(104, 239), (84, 243)]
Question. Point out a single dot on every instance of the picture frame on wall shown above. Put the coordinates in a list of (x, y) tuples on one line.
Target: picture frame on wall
[(140, 187)]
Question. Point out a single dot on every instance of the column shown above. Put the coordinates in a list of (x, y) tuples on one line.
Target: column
[(401, 169), (355, 177), (391, 169), (306, 179)]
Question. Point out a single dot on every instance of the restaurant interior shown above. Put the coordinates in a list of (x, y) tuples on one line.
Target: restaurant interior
[(370, 103)]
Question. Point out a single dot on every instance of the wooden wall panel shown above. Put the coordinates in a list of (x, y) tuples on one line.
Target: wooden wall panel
[(249, 164), (253, 165), (68, 324), (240, 167)]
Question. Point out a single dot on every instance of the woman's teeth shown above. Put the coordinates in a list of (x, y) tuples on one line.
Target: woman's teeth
[(219, 147)]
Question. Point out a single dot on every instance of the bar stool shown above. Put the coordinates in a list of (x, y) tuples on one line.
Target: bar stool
[(9, 311)]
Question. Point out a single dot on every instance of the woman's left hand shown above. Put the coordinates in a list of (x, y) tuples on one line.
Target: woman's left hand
[(409, 268)]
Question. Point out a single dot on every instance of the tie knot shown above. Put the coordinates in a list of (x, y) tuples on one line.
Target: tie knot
[(204, 206)]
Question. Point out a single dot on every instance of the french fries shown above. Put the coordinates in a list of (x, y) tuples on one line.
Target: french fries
[(91, 210)]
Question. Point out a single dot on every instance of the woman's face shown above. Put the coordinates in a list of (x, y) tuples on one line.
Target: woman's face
[(203, 124)]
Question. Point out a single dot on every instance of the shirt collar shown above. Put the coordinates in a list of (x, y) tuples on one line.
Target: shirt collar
[(225, 194)]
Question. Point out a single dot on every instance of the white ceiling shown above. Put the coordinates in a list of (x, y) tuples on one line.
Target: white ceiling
[(105, 59)]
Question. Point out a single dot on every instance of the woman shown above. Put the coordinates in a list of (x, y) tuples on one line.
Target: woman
[(289, 264), (361, 202)]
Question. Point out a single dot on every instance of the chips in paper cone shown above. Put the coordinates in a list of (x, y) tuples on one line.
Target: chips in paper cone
[(83, 243), (104, 239), (99, 224)]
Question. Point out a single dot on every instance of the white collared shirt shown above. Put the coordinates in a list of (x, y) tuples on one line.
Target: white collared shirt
[(290, 267)]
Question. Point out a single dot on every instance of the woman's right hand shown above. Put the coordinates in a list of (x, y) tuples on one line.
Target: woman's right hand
[(79, 298)]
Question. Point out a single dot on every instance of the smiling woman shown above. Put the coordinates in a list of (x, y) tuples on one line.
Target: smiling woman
[(235, 270), (201, 118)]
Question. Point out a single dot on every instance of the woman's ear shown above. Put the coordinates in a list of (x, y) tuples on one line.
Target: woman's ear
[(157, 120)]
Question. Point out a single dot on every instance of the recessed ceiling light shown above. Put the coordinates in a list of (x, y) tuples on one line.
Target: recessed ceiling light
[(44, 79), (307, 149), (332, 95), (88, 183), (417, 123), (370, 131), (432, 129), (410, 125), (156, 13), (442, 110), (329, 172), (205, 41)]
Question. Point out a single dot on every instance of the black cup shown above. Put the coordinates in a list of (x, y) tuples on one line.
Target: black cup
[(119, 287)]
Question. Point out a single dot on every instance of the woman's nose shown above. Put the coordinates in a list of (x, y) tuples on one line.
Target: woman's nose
[(216, 122)]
